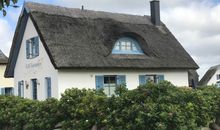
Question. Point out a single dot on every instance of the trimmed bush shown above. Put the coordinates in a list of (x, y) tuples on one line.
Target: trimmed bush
[(160, 106)]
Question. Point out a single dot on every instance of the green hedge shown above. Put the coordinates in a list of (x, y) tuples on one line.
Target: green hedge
[(160, 106)]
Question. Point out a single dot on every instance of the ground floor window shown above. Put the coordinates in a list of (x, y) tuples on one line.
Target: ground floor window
[(7, 91), (143, 79), (21, 88), (109, 83), (218, 76), (34, 88), (48, 86), (218, 84)]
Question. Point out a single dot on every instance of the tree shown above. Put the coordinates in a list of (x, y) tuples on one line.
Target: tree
[(7, 3)]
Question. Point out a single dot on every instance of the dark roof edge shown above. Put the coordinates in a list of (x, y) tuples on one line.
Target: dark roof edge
[(21, 26), (134, 68), (16, 43)]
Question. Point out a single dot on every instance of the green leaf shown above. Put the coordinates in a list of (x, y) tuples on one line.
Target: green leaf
[(7, 2), (4, 12), (1, 4), (14, 1)]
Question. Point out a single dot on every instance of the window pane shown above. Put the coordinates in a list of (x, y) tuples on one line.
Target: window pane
[(109, 80), (218, 84), (117, 46), (19, 89), (33, 49), (128, 46), (218, 76), (30, 50), (134, 48), (106, 80), (112, 90), (109, 85), (48, 86), (112, 80), (123, 46), (8, 91), (34, 87)]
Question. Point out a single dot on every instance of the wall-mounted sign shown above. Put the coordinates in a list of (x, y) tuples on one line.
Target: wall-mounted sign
[(33, 65)]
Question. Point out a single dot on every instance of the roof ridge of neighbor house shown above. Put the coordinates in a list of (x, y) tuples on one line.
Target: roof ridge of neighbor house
[(3, 58), (207, 76), (72, 40), (215, 67)]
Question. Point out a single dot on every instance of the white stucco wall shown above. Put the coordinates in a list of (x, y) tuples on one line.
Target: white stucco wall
[(86, 78), (37, 68), (213, 79), (5, 82)]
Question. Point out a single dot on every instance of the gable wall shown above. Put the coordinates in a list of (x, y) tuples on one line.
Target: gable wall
[(37, 68)]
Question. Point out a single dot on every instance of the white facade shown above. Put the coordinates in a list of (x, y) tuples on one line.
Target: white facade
[(86, 78), (214, 80), (5, 83), (36, 68), (41, 67)]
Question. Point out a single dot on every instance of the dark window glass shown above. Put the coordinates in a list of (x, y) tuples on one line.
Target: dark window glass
[(48, 86), (218, 76), (109, 79), (8, 91), (34, 87)]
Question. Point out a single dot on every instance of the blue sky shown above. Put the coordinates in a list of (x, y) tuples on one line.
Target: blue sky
[(195, 23)]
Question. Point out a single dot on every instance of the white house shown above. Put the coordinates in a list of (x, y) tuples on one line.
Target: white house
[(55, 48), (211, 77), (6, 85)]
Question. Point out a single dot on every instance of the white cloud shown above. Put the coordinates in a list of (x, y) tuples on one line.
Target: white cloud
[(7, 25), (196, 26), (6, 36)]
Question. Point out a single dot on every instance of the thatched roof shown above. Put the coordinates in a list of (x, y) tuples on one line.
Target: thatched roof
[(3, 58), (75, 38), (208, 75)]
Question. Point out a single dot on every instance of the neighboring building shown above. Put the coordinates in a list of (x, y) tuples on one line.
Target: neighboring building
[(211, 77), (6, 85), (55, 48)]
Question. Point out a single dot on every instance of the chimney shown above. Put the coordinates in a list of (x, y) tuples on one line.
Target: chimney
[(82, 7), (155, 12)]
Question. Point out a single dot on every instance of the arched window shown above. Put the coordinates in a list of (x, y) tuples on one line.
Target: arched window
[(126, 45)]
